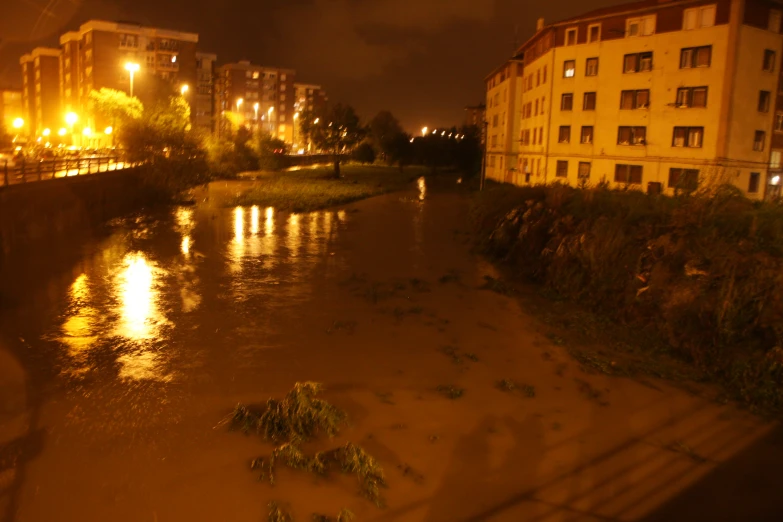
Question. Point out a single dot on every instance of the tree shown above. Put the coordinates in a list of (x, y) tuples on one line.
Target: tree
[(115, 107), (364, 153), (338, 132), (401, 150), (384, 130), (5, 138)]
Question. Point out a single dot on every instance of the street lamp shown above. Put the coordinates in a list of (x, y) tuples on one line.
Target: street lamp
[(293, 132), (18, 123), (269, 112), (71, 118), (424, 131), (62, 131), (255, 108), (108, 130), (131, 68), (46, 132), (239, 103), (184, 89)]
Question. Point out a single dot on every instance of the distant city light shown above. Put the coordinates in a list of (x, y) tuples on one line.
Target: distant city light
[(87, 131), (423, 131), (316, 120), (443, 133), (173, 59), (62, 131), (775, 180), (108, 130), (46, 132), (18, 123)]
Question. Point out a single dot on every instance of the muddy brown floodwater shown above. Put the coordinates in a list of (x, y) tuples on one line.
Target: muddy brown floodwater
[(119, 362)]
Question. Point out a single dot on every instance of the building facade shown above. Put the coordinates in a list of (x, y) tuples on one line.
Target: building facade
[(504, 88), (10, 108), (308, 98), (475, 114), (203, 96), (656, 95), (41, 90), (97, 56), (260, 97)]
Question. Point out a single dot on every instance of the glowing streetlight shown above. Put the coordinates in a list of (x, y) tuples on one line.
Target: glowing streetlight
[(18, 123), (87, 132), (108, 130), (317, 120), (240, 101), (269, 113), (132, 68), (184, 89), (424, 131), (255, 108), (46, 132), (71, 118), (62, 131)]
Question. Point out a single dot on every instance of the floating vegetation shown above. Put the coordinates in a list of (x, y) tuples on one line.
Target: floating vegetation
[(295, 419), (679, 446), (591, 392), (450, 391), (345, 515), (456, 357), (472, 356), (298, 417), (452, 276), (507, 385), (278, 514), (496, 285)]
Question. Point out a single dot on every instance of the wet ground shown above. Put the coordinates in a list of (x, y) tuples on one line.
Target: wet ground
[(118, 363)]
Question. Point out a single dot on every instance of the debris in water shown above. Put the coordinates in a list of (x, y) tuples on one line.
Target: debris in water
[(450, 391)]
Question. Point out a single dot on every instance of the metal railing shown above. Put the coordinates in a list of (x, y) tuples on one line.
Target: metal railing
[(30, 170)]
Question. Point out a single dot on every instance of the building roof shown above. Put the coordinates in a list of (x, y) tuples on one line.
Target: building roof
[(129, 27), (515, 59), (615, 9)]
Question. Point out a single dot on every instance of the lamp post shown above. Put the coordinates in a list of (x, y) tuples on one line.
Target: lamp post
[(293, 132), (71, 118), (269, 112), (132, 68), (184, 89), (240, 101), (424, 131), (255, 108)]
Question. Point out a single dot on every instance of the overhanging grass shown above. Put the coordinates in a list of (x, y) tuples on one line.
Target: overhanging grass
[(316, 188)]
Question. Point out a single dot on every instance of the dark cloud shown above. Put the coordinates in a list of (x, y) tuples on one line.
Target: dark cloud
[(422, 59)]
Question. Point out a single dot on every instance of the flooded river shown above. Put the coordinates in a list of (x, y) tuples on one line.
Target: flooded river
[(119, 362)]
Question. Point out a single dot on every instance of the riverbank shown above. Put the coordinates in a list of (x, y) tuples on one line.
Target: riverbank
[(315, 188), (698, 277)]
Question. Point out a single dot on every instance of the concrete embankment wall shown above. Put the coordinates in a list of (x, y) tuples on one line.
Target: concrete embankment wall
[(36, 214)]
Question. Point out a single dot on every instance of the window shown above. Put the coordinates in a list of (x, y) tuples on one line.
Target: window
[(641, 26), (774, 160), (593, 33), (695, 57), (753, 182), (569, 68), (684, 179), (536, 113), (697, 17), (631, 135), (631, 174), (758, 140), (691, 97), (540, 135), (543, 76), (494, 140), (589, 101), (587, 134), (583, 174), (535, 136), (495, 120), (591, 67), (769, 60), (567, 101), (774, 20), (543, 103), (538, 78), (764, 97), (565, 134), (654, 188), (687, 137), (570, 36), (779, 122), (562, 169), (637, 62), (635, 99)]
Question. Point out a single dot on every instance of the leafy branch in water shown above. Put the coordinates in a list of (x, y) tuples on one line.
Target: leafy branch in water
[(277, 514), (345, 515)]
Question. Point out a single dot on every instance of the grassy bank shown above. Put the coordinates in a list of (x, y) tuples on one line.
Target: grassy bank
[(316, 188), (703, 273)]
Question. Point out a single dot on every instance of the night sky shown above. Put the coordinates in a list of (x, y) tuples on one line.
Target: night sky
[(422, 59)]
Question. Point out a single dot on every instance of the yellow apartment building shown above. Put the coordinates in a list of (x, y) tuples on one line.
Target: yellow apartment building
[(504, 87), (657, 95)]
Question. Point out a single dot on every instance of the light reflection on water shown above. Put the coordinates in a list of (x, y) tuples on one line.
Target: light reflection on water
[(254, 219), (422, 183), (79, 328), (138, 298)]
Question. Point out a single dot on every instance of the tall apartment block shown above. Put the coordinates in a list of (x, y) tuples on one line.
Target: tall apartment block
[(504, 89), (96, 55), (657, 95), (475, 115), (10, 107), (203, 109), (310, 98), (262, 97), (41, 90)]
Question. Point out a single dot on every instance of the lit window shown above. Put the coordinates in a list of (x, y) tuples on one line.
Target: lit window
[(774, 160), (569, 68), (691, 97), (631, 135), (641, 26), (587, 134), (695, 57), (565, 134), (779, 122), (697, 17)]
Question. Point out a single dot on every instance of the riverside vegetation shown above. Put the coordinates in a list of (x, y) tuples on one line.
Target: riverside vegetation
[(702, 272)]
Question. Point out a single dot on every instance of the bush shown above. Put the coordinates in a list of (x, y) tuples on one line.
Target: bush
[(705, 271), (364, 153)]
